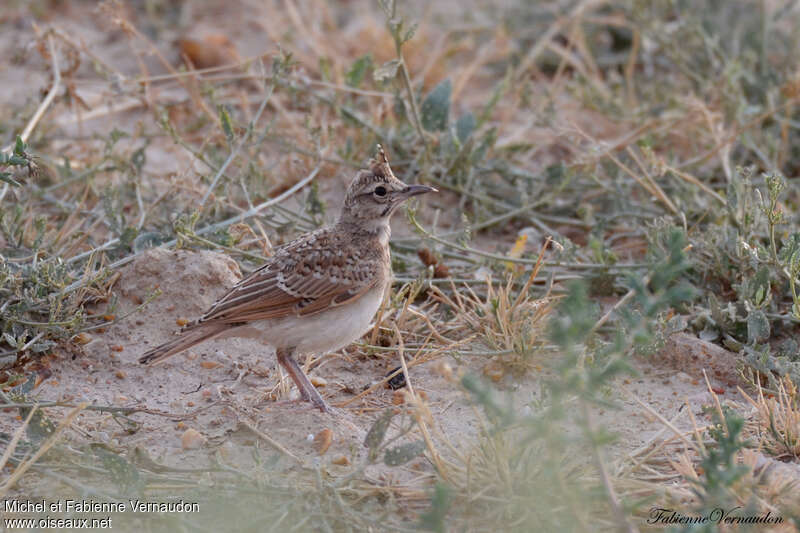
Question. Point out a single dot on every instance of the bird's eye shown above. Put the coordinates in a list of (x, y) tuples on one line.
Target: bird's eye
[(380, 190)]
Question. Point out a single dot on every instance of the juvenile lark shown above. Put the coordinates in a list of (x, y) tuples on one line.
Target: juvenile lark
[(317, 293)]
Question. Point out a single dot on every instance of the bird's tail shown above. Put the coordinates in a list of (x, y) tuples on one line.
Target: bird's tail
[(185, 340)]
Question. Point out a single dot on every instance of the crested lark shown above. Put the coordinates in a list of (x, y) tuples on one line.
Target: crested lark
[(317, 293)]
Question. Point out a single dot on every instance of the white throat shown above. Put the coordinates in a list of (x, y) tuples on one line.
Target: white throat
[(379, 227)]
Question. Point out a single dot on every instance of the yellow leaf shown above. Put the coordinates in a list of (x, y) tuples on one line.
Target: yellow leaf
[(516, 250)]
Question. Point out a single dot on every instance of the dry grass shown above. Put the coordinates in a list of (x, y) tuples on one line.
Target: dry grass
[(508, 319), (778, 420)]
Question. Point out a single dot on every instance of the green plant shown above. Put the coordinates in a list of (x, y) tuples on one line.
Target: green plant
[(748, 254), (17, 158)]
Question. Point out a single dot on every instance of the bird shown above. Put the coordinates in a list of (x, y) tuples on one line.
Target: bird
[(317, 293)]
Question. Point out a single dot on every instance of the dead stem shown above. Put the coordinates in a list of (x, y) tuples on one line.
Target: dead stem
[(46, 445)]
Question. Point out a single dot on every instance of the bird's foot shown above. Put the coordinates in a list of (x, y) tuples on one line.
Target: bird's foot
[(324, 406)]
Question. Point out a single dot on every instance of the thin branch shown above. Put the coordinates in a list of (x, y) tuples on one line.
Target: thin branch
[(49, 443), (51, 94)]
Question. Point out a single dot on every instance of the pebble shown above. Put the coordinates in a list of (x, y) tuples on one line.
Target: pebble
[(323, 440), (192, 439)]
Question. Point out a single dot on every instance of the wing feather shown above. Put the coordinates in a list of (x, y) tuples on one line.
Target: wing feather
[(305, 277)]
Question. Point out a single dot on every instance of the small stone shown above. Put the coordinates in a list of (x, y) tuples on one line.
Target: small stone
[(191, 356), (426, 256), (182, 321), (210, 364), (318, 381), (398, 381), (441, 271), (82, 338), (494, 371), (444, 369), (341, 460), (192, 439), (399, 397), (323, 440), (120, 374)]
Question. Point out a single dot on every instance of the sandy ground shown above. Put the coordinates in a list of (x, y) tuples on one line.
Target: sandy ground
[(214, 386)]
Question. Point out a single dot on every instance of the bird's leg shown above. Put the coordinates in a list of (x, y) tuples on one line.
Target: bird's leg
[(307, 391)]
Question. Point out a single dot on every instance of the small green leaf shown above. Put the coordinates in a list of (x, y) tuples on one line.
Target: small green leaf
[(18, 160), (387, 71), (758, 287), (377, 432), (147, 240), (709, 334), (123, 473), (19, 147), (358, 71), (758, 329), (402, 454), (40, 427), (19, 392), (43, 346), (225, 119), (138, 158), (436, 107), (409, 34), (790, 249), (483, 146), (128, 236), (325, 68), (10, 340), (6, 177), (465, 125), (433, 519), (717, 313), (115, 136)]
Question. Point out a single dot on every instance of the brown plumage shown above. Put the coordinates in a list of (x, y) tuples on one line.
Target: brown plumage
[(317, 293)]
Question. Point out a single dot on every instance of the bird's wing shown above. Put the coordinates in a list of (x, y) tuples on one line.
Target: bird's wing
[(302, 278)]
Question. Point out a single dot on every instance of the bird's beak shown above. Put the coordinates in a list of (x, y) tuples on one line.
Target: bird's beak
[(413, 190)]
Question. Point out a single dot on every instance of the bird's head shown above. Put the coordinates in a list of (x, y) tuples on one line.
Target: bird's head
[(375, 194)]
